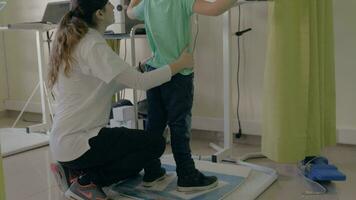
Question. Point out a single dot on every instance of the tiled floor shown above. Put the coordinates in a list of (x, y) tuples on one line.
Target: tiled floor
[(28, 176)]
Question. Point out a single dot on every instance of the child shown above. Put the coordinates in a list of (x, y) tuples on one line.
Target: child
[(168, 28)]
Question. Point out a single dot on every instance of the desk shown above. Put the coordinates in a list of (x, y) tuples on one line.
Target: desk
[(47, 114), (39, 28)]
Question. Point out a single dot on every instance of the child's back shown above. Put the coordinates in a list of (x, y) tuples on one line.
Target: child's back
[(168, 28)]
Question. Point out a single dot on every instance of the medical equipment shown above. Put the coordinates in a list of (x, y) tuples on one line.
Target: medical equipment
[(122, 24), (134, 34), (319, 169), (124, 113), (119, 12), (225, 152), (123, 116)]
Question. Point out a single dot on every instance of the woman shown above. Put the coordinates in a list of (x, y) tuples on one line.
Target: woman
[(85, 73)]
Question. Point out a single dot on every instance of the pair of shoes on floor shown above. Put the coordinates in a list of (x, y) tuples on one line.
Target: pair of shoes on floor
[(85, 192), (150, 179), (195, 181), (67, 181), (64, 177)]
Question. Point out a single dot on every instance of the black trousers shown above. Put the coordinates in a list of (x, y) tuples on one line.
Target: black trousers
[(119, 153), (171, 104)]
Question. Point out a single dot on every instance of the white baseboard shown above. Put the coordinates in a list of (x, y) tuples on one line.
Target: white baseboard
[(344, 136), (18, 106), (217, 124)]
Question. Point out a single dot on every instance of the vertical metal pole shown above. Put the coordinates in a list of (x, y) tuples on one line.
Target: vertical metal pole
[(133, 63), (39, 42), (227, 80)]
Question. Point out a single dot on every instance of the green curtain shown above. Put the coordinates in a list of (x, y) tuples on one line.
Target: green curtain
[(2, 186), (299, 117)]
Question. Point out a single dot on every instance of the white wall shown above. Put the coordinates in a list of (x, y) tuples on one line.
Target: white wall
[(345, 51), (208, 106), (208, 110), (345, 48), (3, 83), (21, 52)]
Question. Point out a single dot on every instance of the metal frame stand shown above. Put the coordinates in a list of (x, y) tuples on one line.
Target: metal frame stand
[(224, 154), (133, 63), (47, 114)]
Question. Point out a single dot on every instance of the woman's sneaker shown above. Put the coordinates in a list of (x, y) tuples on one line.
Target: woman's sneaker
[(196, 182), (150, 179), (64, 177), (86, 192)]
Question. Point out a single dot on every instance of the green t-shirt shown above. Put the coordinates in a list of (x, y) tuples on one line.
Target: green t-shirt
[(168, 28)]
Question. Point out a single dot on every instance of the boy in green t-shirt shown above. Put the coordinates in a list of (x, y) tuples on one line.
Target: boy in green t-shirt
[(168, 28)]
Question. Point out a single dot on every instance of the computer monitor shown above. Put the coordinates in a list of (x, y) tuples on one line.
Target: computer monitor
[(55, 11)]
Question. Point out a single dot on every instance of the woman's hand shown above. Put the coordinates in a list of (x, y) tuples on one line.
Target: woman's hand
[(185, 61)]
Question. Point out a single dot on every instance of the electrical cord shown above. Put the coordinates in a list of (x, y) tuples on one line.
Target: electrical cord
[(238, 34), (239, 134)]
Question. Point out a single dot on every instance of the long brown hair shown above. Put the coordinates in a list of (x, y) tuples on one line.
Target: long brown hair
[(72, 28)]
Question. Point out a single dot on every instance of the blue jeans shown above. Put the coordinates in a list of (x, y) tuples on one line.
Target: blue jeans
[(171, 104)]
